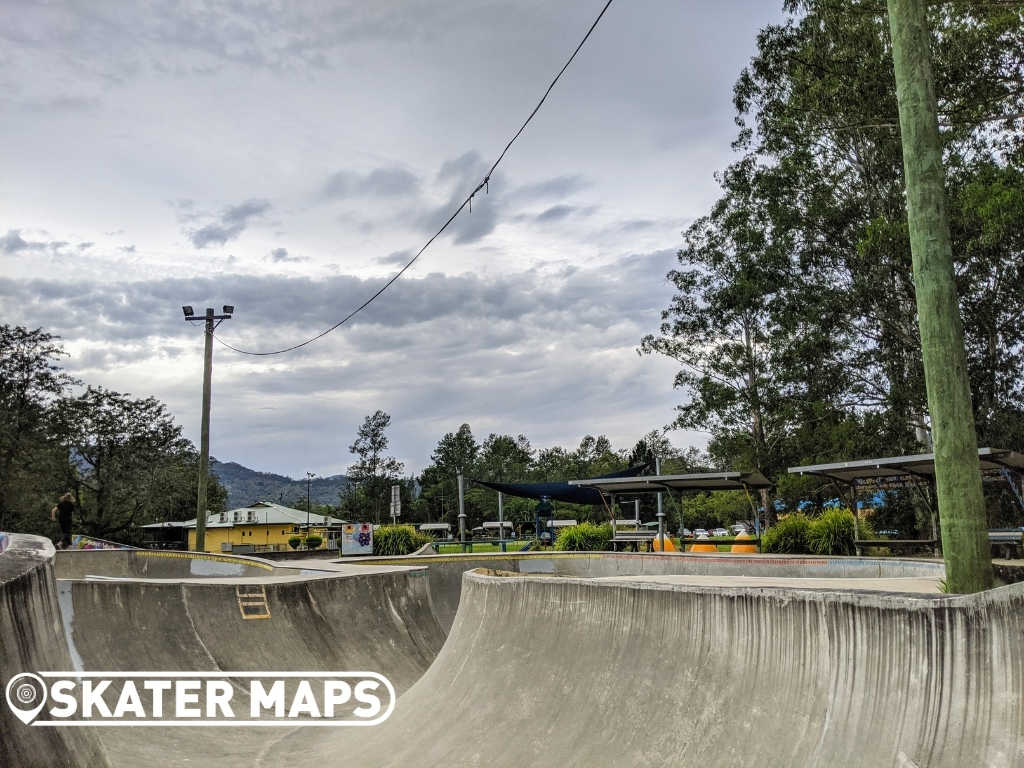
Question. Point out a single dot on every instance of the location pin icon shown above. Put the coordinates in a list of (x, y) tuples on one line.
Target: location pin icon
[(26, 696)]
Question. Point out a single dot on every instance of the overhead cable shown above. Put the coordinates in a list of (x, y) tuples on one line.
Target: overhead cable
[(467, 202)]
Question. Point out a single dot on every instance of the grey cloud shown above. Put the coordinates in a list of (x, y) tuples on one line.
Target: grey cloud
[(462, 174), (398, 257), (541, 352), (555, 213), (279, 310), (557, 187), (227, 225), (13, 243), (279, 255), (381, 182)]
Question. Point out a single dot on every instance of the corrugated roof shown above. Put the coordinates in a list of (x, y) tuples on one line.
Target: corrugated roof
[(260, 513)]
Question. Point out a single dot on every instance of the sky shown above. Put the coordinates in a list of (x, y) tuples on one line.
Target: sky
[(287, 158)]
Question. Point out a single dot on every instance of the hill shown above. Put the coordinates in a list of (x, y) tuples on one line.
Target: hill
[(245, 486)]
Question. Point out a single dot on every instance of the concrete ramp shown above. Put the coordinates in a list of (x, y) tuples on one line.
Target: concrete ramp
[(446, 571), (31, 640), (575, 672)]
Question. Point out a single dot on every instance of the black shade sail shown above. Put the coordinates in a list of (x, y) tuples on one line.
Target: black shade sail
[(561, 490)]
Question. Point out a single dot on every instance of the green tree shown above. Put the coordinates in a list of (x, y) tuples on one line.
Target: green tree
[(795, 321), (127, 463), (30, 461), (456, 453), (368, 495)]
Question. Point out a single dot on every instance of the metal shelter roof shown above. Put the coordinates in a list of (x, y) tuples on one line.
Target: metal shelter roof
[(919, 466), (705, 481)]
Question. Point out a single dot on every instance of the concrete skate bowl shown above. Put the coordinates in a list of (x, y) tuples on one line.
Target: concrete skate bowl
[(649, 660), (142, 610), (124, 611), (620, 672), (445, 571)]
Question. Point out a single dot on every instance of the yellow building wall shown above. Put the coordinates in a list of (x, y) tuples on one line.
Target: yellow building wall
[(257, 534)]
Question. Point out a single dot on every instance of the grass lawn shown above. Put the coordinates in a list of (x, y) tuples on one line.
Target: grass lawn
[(448, 549), (515, 546)]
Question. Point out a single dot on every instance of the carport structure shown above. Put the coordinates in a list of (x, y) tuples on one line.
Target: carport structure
[(613, 487), (917, 470)]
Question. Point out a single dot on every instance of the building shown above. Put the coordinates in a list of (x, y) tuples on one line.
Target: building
[(260, 527)]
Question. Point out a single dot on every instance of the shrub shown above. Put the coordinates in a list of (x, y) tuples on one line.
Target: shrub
[(398, 540), (294, 542), (832, 533), (314, 541), (585, 537), (788, 536)]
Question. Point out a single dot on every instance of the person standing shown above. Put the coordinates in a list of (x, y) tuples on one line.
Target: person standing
[(62, 514)]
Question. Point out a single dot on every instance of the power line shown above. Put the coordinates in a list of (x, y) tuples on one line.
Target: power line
[(467, 202)]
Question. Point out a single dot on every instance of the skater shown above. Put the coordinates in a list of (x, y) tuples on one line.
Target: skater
[(62, 514)]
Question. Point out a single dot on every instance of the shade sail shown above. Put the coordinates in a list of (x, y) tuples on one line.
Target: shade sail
[(562, 490)]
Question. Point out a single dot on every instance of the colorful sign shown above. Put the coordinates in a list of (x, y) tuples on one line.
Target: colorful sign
[(357, 539)]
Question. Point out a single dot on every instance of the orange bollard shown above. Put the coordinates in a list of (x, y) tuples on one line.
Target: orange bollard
[(745, 549), (669, 546), (706, 546)]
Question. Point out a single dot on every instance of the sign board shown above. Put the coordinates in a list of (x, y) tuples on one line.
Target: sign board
[(396, 501), (357, 539)]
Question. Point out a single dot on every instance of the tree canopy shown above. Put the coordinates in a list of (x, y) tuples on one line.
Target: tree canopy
[(124, 459), (794, 318)]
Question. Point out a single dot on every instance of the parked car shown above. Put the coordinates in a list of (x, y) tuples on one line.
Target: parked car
[(739, 528), (719, 532), (687, 533), (700, 532)]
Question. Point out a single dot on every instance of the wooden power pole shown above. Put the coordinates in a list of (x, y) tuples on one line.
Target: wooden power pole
[(957, 469), (211, 322)]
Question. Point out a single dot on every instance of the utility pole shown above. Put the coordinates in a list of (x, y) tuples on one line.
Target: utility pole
[(309, 480), (462, 514), (661, 512), (957, 469), (212, 321)]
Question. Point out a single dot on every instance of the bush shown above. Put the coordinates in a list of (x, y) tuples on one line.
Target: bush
[(314, 541), (294, 542), (832, 533), (788, 536), (585, 537), (398, 540)]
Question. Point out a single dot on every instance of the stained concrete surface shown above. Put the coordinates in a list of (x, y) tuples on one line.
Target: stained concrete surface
[(608, 659)]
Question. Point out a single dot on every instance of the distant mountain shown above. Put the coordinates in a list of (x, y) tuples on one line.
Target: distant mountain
[(246, 486)]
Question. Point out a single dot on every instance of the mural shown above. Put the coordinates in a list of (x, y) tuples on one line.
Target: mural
[(87, 542), (357, 539)]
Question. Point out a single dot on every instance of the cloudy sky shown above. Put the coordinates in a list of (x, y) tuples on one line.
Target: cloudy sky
[(288, 157)]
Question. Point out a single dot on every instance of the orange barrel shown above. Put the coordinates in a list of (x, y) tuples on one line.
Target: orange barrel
[(744, 549), (669, 546), (704, 545)]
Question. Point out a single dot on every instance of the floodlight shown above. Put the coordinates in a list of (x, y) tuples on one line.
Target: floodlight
[(228, 309), (189, 312)]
